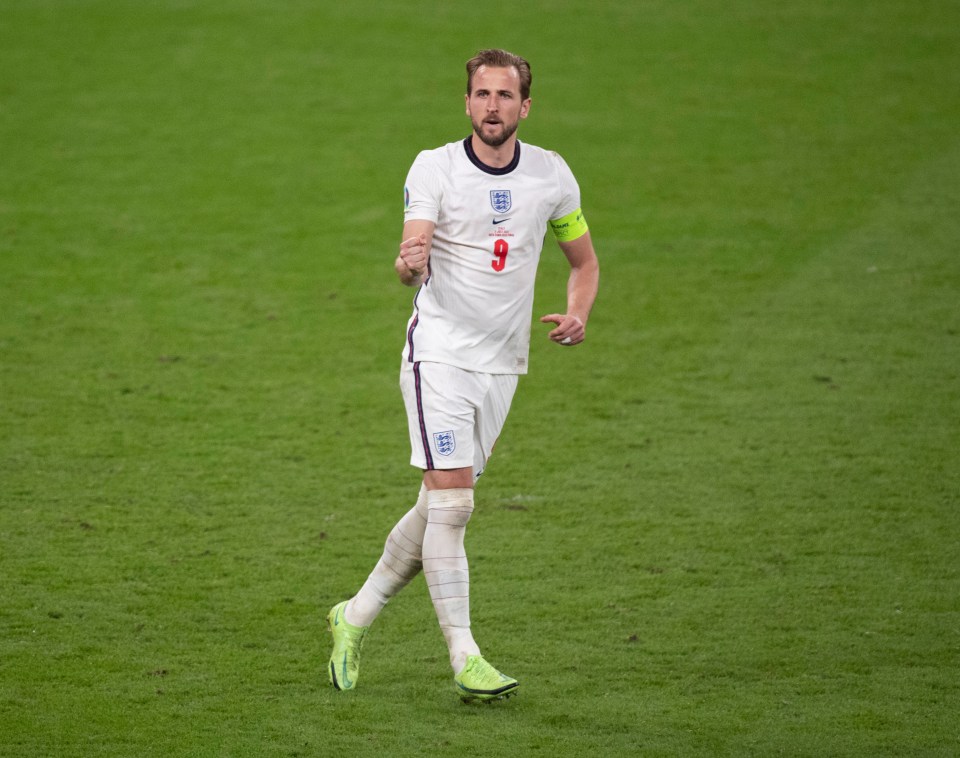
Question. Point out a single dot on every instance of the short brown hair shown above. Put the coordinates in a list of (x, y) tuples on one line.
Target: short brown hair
[(500, 59)]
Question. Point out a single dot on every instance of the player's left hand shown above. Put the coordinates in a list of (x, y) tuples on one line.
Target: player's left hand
[(570, 329)]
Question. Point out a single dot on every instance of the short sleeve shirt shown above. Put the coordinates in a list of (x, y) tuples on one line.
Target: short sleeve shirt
[(474, 309)]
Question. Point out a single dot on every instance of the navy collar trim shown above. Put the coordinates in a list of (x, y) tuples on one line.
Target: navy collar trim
[(468, 146)]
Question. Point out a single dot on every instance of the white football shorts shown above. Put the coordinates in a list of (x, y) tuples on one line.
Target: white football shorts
[(454, 416)]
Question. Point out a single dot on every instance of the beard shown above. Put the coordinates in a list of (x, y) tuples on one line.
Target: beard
[(495, 140)]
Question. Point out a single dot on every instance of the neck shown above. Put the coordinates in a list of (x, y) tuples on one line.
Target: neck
[(495, 157)]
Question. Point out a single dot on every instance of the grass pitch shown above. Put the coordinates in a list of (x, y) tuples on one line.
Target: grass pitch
[(726, 525)]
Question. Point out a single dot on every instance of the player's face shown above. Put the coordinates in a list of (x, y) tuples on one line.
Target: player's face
[(494, 104)]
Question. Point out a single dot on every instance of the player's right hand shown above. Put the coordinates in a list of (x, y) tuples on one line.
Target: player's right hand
[(414, 254)]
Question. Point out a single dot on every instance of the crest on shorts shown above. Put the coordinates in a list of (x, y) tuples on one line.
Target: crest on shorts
[(501, 200), (445, 442)]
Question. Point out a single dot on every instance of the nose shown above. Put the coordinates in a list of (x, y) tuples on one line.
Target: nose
[(493, 103)]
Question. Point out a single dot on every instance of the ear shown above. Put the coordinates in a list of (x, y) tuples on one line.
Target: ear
[(525, 108), (466, 103)]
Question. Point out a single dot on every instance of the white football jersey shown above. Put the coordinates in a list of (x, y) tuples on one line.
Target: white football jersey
[(474, 309)]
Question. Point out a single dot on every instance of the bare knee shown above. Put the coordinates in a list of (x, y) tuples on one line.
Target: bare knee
[(448, 479)]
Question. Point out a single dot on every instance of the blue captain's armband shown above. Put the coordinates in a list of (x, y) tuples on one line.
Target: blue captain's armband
[(569, 227)]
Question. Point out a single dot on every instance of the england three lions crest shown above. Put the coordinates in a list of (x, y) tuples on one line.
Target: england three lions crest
[(445, 442), (501, 200)]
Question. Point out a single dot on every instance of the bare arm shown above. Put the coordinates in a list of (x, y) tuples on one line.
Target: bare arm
[(581, 292), (413, 260)]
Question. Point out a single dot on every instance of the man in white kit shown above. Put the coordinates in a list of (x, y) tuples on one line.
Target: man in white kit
[(475, 216)]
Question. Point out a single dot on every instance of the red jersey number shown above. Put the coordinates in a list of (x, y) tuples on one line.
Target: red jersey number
[(500, 250)]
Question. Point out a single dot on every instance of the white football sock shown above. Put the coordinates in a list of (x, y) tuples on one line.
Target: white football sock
[(445, 569), (399, 564)]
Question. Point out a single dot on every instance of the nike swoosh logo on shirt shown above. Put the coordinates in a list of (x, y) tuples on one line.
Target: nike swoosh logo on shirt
[(501, 220)]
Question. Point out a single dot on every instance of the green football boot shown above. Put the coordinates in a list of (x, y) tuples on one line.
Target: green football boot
[(479, 681), (347, 641)]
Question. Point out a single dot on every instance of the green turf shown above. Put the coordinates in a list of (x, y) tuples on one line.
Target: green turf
[(726, 525)]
